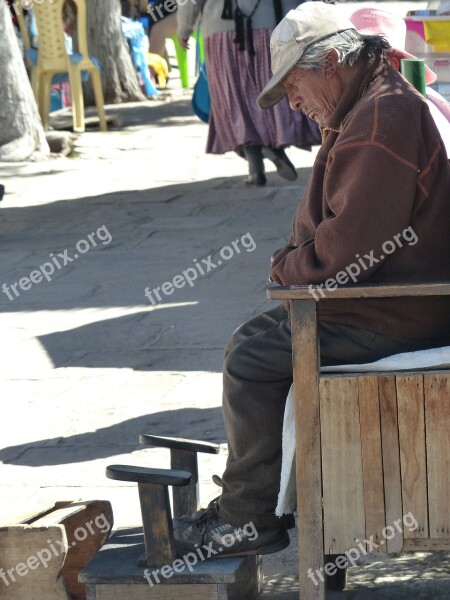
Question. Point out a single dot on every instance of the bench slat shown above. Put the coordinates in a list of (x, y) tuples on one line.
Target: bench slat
[(304, 292)]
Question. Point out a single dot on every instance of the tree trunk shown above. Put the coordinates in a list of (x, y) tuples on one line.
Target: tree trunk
[(21, 133), (106, 42)]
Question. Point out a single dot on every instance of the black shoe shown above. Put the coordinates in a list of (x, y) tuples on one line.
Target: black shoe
[(258, 179), (285, 168), (288, 520), (211, 534)]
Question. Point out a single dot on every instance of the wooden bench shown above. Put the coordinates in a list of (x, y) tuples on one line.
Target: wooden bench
[(371, 449)]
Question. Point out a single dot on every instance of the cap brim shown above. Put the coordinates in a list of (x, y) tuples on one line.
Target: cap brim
[(430, 76), (274, 90)]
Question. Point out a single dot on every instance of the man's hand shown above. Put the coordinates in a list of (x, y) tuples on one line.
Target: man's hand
[(276, 256), (184, 42)]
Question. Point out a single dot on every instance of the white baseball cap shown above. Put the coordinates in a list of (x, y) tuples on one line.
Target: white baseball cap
[(308, 23)]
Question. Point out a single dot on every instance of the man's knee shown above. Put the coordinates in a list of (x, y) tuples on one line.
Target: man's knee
[(233, 358), (235, 339), (229, 347)]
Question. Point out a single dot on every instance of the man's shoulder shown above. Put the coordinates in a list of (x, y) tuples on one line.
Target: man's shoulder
[(390, 112)]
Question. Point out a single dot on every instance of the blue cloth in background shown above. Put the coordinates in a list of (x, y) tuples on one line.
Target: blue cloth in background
[(135, 34)]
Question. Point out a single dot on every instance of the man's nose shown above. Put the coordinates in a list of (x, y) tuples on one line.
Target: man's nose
[(294, 103)]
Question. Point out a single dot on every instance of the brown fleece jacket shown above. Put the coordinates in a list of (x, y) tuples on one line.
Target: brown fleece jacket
[(379, 200)]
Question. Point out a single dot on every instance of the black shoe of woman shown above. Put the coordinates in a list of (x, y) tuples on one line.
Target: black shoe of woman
[(285, 168), (255, 161)]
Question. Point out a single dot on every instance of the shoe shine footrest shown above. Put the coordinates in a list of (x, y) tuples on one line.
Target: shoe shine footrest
[(183, 455), (147, 475), (155, 507), (178, 444), (115, 575)]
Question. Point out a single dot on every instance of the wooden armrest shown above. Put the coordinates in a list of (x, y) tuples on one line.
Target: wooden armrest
[(146, 475), (178, 444), (305, 292)]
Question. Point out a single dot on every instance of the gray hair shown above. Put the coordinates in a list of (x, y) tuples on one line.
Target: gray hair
[(350, 45)]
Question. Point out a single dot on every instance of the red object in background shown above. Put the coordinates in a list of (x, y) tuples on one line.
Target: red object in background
[(66, 95)]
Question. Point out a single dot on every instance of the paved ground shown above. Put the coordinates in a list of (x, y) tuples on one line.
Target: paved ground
[(88, 362)]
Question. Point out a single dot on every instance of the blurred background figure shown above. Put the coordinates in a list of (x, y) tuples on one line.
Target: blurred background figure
[(373, 21), (159, 19), (165, 27), (237, 47)]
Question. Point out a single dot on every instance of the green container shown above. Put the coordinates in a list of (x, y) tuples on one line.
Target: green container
[(413, 69)]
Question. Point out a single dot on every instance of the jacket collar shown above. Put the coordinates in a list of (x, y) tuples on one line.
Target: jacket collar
[(365, 73)]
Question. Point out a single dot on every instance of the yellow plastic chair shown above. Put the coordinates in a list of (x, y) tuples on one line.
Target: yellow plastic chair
[(53, 58)]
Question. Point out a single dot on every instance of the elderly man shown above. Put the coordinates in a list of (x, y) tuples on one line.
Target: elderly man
[(376, 209)]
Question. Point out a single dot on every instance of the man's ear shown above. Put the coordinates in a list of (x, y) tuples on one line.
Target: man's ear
[(395, 60), (331, 63)]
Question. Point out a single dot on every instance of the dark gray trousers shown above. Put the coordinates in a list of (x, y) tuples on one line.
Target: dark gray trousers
[(256, 380)]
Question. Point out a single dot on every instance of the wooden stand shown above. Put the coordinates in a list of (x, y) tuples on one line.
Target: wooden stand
[(155, 508), (114, 575), (42, 555)]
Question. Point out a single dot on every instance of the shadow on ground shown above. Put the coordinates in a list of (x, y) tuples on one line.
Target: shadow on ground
[(422, 576), (200, 424), (150, 242)]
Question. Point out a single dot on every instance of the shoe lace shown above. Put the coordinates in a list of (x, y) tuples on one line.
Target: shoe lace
[(207, 516)]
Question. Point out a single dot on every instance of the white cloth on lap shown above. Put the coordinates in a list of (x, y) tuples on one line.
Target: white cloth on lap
[(287, 496), (436, 358)]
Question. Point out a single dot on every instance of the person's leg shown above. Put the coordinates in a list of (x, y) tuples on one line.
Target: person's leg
[(255, 161), (285, 168), (256, 380), (159, 31)]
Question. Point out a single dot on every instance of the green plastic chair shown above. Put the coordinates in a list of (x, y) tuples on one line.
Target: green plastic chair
[(182, 57)]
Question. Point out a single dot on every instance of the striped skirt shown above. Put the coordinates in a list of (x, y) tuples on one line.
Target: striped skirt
[(235, 80)]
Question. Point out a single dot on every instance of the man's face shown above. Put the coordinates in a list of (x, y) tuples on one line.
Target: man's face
[(313, 92)]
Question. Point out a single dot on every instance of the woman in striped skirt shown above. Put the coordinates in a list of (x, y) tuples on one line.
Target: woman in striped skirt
[(237, 47)]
